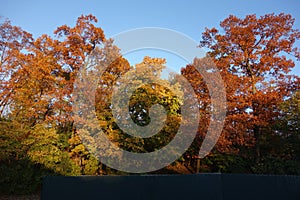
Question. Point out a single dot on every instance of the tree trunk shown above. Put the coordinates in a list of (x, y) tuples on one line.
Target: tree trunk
[(198, 165)]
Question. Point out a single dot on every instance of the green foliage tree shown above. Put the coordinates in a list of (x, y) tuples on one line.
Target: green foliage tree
[(140, 102)]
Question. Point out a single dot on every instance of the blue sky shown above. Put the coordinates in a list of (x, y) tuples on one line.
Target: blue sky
[(188, 17)]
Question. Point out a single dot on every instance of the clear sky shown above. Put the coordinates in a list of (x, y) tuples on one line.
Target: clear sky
[(188, 17)]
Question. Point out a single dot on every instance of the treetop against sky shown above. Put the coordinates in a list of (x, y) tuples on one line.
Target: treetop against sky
[(188, 17)]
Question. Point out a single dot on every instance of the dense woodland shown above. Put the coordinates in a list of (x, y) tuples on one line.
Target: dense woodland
[(254, 55)]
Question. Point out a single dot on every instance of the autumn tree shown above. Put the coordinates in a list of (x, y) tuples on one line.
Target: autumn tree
[(13, 40), (37, 75), (254, 56), (199, 74), (36, 78), (148, 91)]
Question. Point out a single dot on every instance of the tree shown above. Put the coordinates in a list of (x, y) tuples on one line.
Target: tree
[(37, 76), (252, 59), (288, 126), (13, 40), (36, 84), (122, 76), (254, 56)]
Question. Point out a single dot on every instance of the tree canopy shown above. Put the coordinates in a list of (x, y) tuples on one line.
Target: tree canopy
[(254, 56)]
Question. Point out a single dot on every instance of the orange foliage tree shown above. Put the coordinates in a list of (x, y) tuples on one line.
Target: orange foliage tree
[(37, 77), (254, 56)]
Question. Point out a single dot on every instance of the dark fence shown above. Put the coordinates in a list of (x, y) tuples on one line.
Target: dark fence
[(173, 187)]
